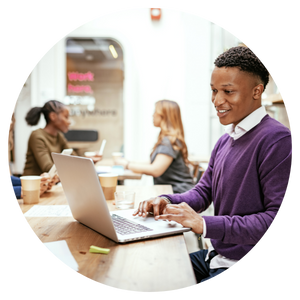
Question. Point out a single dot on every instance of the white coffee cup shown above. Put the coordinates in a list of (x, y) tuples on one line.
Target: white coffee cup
[(31, 189), (108, 183)]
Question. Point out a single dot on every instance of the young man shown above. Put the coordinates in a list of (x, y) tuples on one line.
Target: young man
[(247, 174)]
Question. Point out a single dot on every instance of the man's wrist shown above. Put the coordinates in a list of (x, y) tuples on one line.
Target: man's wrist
[(197, 226), (167, 200)]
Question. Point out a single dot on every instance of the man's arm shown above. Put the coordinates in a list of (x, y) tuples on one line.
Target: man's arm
[(199, 197), (274, 171)]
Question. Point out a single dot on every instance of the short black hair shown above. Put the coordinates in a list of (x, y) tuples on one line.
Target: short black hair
[(243, 58)]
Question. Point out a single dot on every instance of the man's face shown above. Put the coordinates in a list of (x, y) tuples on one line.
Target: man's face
[(235, 94)]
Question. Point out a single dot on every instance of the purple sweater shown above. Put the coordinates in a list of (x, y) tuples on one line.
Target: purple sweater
[(246, 179)]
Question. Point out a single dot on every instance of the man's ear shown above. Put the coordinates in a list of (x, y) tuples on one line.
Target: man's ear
[(257, 91), (52, 116)]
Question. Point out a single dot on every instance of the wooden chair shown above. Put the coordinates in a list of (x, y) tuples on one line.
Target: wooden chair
[(196, 171)]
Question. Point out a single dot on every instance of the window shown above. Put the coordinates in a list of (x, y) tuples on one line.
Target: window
[(95, 74)]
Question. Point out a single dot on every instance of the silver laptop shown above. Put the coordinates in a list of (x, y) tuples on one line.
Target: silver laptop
[(83, 191)]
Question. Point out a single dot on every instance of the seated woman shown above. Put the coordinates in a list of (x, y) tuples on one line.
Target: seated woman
[(169, 158), (43, 141), (15, 182)]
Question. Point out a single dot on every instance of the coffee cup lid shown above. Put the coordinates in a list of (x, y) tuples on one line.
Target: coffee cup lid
[(30, 177), (108, 175)]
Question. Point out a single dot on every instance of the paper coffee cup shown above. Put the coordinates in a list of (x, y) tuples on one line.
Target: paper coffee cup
[(108, 183), (31, 189), (89, 154)]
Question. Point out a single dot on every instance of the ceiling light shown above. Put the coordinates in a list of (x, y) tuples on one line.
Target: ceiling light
[(113, 51)]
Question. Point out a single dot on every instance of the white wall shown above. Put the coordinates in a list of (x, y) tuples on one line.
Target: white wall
[(168, 59), (196, 105)]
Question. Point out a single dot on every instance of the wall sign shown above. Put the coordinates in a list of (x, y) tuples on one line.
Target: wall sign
[(75, 76), (80, 89)]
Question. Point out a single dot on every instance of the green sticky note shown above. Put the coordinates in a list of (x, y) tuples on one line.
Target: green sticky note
[(95, 249)]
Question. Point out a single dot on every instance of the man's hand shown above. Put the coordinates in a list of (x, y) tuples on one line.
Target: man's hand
[(183, 214), (154, 205)]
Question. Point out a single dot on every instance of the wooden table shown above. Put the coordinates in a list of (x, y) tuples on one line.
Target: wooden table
[(159, 264), (197, 159)]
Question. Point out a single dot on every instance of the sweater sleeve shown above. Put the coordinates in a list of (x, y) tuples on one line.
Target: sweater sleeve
[(41, 152), (65, 145), (273, 171), (199, 197)]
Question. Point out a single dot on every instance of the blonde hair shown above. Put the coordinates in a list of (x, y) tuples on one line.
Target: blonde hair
[(171, 126)]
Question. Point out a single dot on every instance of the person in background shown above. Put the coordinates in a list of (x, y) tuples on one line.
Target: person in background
[(11, 136), (46, 181), (43, 141), (169, 157)]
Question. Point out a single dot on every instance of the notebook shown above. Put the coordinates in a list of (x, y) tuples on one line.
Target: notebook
[(87, 203)]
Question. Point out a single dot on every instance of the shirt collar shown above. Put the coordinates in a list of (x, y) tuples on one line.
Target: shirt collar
[(249, 122)]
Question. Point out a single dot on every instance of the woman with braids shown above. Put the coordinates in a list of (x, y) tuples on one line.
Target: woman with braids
[(43, 141), (169, 157), (46, 182)]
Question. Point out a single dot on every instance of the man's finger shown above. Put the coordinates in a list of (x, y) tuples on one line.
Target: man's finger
[(145, 208), (169, 217), (142, 210), (156, 206), (172, 209), (138, 209)]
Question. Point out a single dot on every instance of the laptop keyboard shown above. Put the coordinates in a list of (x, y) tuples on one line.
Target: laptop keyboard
[(124, 226)]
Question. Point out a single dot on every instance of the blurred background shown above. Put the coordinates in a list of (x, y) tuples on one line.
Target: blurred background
[(111, 71)]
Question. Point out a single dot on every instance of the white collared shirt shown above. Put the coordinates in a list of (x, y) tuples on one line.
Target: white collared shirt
[(246, 124), (236, 132)]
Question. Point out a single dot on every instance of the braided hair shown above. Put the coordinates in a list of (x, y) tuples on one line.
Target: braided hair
[(34, 114)]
